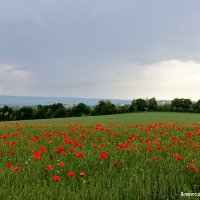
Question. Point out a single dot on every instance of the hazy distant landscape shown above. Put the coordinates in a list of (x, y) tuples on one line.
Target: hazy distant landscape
[(31, 101)]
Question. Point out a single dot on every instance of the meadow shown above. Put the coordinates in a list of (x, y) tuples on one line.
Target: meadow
[(127, 156)]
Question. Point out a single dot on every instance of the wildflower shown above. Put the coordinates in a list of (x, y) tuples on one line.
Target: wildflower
[(50, 142), (8, 165), (11, 152), (70, 174), (36, 155), (16, 169), (167, 149), (150, 150), (55, 178), (115, 163), (42, 149), (49, 167), (155, 157), (191, 166), (79, 155), (179, 158), (148, 139), (158, 147), (66, 140), (60, 164), (103, 155), (82, 174)]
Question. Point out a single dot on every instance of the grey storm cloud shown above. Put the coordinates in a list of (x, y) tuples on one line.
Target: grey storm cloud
[(102, 48)]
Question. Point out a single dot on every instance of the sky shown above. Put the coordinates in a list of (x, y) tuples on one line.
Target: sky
[(100, 48)]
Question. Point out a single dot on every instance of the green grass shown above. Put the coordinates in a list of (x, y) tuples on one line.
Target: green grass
[(144, 117), (137, 176)]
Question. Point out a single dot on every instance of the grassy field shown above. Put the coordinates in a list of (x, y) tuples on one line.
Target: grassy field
[(145, 117), (129, 156)]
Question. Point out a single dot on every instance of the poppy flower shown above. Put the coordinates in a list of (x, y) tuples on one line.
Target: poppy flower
[(179, 158), (82, 174), (16, 169), (36, 155), (55, 178), (79, 155), (115, 163), (150, 150), (148, 139), (60, 164), (103, 155), (167, 149), (158, 147), (191, 166), (11, 152), (50, 142), (8, 165), (49, 167), (70, 174), (155, 157)]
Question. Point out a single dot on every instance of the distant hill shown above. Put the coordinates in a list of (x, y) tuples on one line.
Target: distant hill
[(32, 101)]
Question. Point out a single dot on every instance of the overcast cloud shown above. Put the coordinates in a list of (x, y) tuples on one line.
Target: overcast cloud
[(108, 49)]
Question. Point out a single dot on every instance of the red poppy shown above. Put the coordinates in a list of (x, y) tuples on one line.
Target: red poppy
[(148, 139), (55, 178), (191, 166), (70, 174), (49, 167), (79, 155), (179, 158), (82, 174), (36, 155), (11, 152), (66, 140), (103, 155), (155, 157), (60, 164), (158, 147), (8, 165), (16, 169), (42, 149), (150, 150), (167, 149), (115, 163)]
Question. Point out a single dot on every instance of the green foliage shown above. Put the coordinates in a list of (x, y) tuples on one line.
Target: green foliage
[(105, 108), (152, 104), (6, 113), (181, 105), (139, 105), (196, 106), (80, 110), (24, 113)]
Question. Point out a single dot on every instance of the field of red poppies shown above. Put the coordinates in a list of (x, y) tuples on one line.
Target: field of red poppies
[(99, 161)]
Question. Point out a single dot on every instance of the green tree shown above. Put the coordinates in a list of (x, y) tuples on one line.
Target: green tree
[(80, 110), (58, 110), (104, 107), (152, 104), (181, 105), (24, 113), (139, 105), (6, 113), (196, 106)]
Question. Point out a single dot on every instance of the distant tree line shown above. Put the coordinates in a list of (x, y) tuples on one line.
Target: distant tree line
[(104, 107)]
